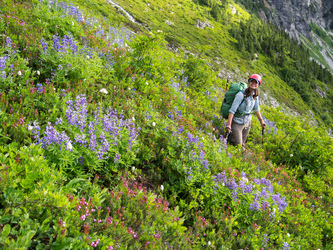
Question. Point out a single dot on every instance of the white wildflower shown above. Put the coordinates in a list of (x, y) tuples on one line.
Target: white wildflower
[(288, 234), (291, 155), (154, 124), (104, 91), (69, 146), (19, 73), (162, 187), (146, 82), (133, 168), (30, 127), (133, 118), (88, 57), (209, 243), (72, 23), (159, 31), (246, 180), (38, 72)]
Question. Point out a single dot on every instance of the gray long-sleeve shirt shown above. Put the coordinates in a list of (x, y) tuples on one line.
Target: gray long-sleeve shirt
[(245, 107)]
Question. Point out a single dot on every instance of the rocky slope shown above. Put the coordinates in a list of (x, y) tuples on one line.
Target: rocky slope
[(296, 17)]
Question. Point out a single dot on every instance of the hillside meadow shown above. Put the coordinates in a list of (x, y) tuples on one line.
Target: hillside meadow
[(112, 140)]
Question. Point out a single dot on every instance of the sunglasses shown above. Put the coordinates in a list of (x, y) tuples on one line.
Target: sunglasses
[(256, 81)]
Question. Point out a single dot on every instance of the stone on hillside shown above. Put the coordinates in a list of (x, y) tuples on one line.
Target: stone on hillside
[(233, 9), (268, 100), (169, 22), (203, 24), (321, 93)]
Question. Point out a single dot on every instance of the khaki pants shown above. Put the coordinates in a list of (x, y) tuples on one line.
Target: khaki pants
[(239, 133)]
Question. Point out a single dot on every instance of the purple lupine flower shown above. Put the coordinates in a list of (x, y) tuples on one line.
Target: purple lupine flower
[(58, 121), (35, 128), (256, 181), (276, 198), (190, 174), (56, 44), (2, 67), (242, 186), (255, 206), (40, 88), (270, 125), (116, 158), (92, 144), (265, 239), (62, 93), (8, 42), (44, 44), (234, 195), (202, 155), (80, 139), (77, 115), (53, 72), (81, 160), (205, 163), (265, 204), (282, 204), (285, 246), (231, 184), (193, 156), (264, 193), (248, 188)]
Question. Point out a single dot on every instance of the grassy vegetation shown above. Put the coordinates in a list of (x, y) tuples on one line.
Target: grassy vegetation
[(111, 140)]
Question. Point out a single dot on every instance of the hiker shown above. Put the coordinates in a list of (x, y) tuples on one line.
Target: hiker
[(238, 126)]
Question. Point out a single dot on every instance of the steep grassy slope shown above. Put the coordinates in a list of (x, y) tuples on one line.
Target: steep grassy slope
[(111, 140), (217, 46)]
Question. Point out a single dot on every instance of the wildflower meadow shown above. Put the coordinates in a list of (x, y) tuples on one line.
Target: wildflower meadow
[(109, 139)]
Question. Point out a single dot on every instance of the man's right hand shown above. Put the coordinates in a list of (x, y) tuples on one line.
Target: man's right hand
[(228, 130)]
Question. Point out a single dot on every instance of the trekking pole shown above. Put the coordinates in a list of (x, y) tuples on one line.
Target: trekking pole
[(262, 133), (226, 88), (226, 135)]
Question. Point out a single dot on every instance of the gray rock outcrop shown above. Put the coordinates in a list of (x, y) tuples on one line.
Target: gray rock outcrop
[(296, 16)]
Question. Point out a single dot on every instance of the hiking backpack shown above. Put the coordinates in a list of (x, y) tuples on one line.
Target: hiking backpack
[(229, 98)]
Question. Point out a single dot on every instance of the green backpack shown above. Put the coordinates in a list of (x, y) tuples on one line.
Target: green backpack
[(229, 98)]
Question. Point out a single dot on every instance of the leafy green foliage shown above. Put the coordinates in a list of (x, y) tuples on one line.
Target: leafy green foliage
[(112, 140)]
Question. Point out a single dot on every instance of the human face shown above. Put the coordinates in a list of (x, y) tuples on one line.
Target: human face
[(254, 84)]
